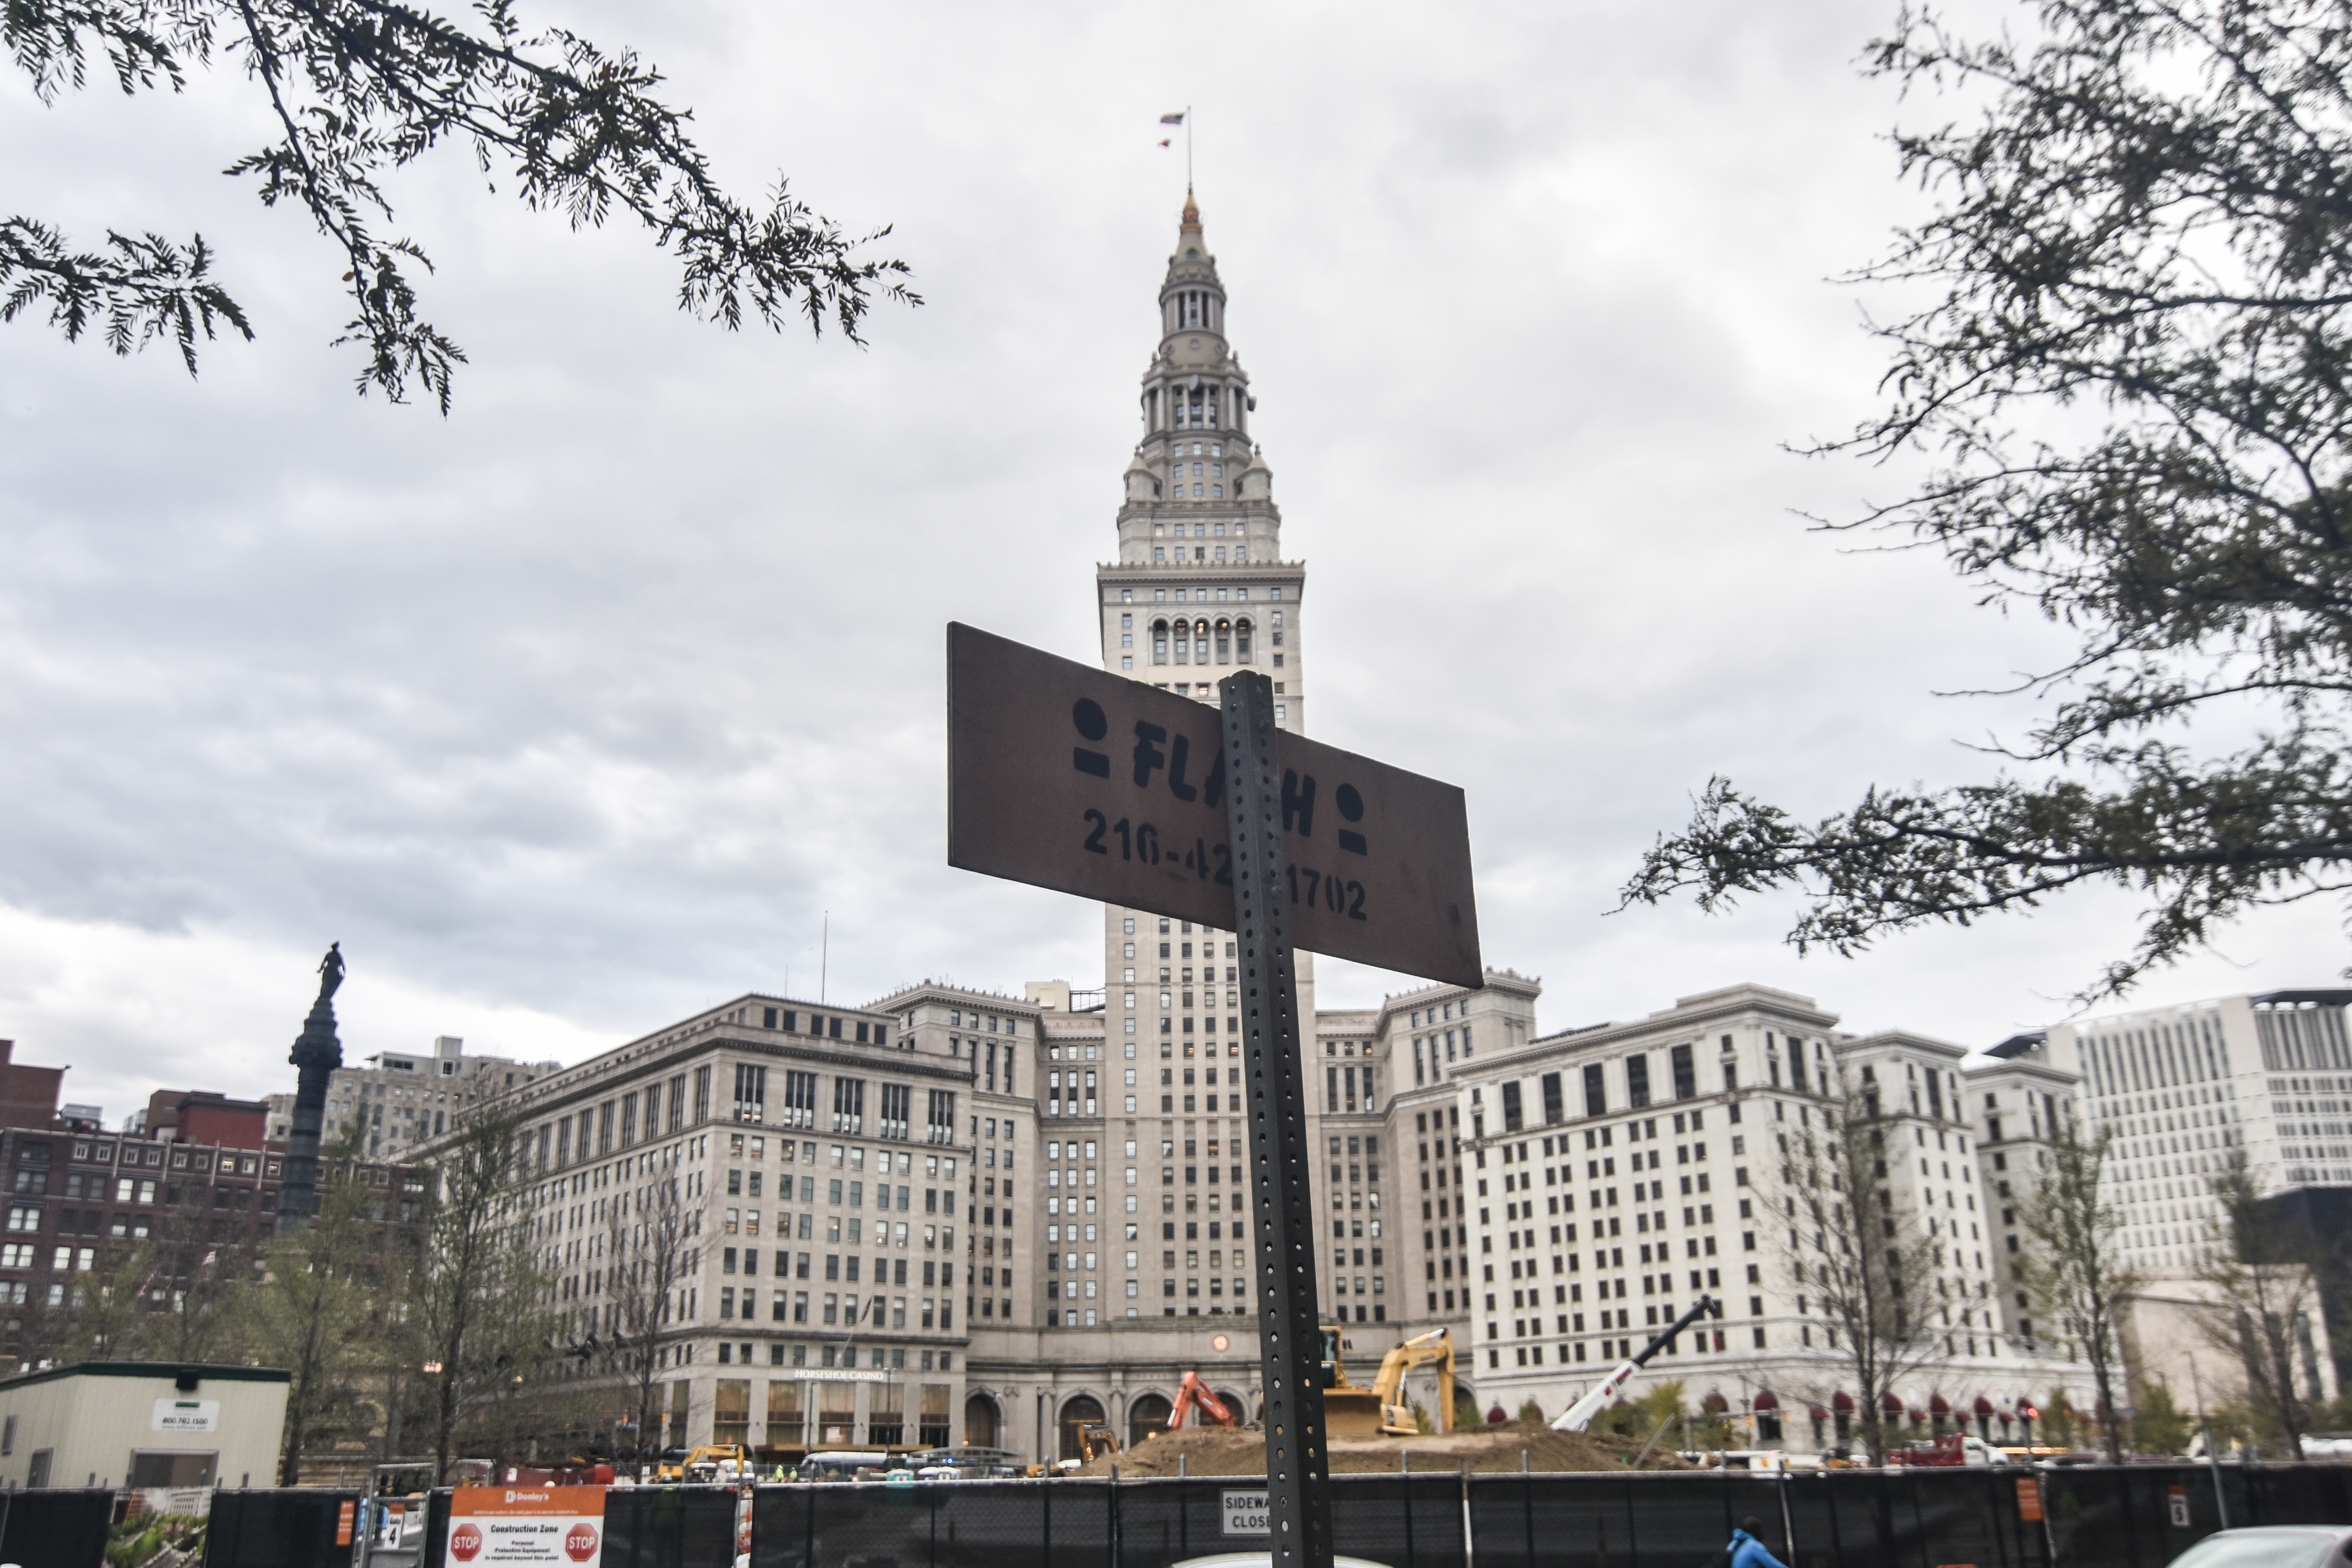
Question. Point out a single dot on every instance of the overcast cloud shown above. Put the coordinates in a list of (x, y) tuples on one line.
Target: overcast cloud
[(574, 713)]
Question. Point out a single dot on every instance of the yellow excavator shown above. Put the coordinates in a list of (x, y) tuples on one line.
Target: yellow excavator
[(1350, 1410), (701, 1463)]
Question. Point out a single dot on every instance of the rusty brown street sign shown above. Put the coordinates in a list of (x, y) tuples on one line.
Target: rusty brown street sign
[(1071, 778)]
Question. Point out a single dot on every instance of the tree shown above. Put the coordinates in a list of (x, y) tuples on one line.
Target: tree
[(355, 89), (2074, 1265), (476, 1306), (1870, 1277), (196, 1263), (319, 1309), (2130, 385), (646, 1240), (2263, 1297), (2159, 1427)]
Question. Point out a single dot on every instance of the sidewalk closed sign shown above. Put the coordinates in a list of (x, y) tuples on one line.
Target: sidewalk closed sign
[(563, 1527), (1246, 1513)]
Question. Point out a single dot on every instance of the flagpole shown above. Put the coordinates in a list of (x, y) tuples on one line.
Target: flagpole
[(1188, 149)]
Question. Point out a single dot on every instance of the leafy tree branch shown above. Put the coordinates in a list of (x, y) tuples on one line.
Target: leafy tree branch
[(359, 89), (2148, 230)]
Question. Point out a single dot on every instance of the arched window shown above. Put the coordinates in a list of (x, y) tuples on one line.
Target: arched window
[(1083, 1410), (1242, 641), (1200, 642), (1224, 642), (1147, 1417), (1160, 642)]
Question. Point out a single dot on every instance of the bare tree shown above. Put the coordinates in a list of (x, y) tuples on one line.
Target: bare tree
[(1870, 1276), (319, 1310), (2075, 1266), (2264, 1295), (199, 1258), (477, 1305), (646, 1239)]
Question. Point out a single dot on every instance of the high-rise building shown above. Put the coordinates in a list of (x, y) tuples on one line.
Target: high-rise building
[(2186, 1089), (1199, 589)]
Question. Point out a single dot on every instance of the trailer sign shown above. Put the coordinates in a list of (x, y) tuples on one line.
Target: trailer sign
[(1087, 782)]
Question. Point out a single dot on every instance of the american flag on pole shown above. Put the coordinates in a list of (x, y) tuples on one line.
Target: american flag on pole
[(1176, 119)]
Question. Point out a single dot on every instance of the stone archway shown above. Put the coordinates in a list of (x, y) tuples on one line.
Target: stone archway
[(1146, 1414), (1078, 1410), (984, 1424)]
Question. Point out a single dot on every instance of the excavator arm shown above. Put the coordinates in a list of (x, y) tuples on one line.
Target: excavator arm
[(1193, 1394), (1579, 1416)]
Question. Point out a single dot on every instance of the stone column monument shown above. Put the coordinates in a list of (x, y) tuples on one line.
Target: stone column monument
[(317, 1053)]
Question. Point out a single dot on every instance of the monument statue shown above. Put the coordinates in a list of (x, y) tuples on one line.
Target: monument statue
[(317, 1053)]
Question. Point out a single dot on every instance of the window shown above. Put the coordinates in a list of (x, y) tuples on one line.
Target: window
[(1637, 1081), (1596, 1091), (1685, 1073), (848, 1105), (1554, 1109), (800, 1101), (897, 1098), (750, 1092)]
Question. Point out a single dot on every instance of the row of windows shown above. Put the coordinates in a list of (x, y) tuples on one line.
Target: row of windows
[(838, 1266), (875, 1311), (1200, 596), (596, 1131)]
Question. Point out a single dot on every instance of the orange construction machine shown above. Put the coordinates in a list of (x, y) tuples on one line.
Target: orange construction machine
[(1193, 1395)]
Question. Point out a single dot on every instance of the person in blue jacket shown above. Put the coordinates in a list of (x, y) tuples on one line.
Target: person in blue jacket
[(1747, 1551)]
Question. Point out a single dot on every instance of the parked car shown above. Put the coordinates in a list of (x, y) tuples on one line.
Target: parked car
[(2273, 1546)]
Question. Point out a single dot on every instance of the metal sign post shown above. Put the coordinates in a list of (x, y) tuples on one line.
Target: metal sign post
[(1297, 1463), (1087, 782)]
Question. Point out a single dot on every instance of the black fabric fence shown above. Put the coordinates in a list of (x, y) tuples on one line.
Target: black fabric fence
[(64, 1527), (293, 1528), (2094, 1518)]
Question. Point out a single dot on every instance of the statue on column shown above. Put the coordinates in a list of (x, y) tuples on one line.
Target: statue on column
[(317, 1053)]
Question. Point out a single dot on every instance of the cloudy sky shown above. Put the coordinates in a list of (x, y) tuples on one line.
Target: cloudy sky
[(577, 710)]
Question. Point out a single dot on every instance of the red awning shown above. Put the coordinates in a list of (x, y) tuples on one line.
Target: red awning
[(1715, 1403), (1891, 1405), (1984, 1406), (1765, 1401), (1935, 1405), (1819, 1413), (1842, 1402)]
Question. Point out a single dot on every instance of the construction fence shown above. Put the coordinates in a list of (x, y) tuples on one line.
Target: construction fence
[(2139, 1516)]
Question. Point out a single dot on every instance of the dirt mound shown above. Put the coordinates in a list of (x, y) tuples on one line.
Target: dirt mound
[(1216, 1451)]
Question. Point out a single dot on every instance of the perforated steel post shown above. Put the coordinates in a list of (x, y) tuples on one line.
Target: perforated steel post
[(1290, 1339)]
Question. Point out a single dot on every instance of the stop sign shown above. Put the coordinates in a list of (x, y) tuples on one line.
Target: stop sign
[(466, 1542), (580, 1541)]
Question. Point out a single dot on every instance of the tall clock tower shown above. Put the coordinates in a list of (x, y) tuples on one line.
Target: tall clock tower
[(1199, 590)]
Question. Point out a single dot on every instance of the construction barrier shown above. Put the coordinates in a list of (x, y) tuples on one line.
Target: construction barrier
[(2139, 1516)]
